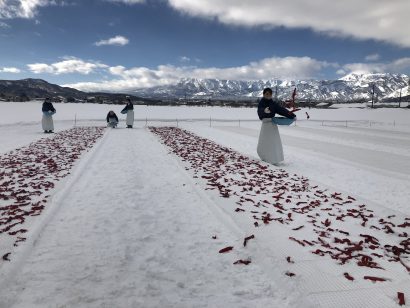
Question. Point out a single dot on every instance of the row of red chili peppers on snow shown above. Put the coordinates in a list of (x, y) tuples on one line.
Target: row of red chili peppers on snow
[(28, 174), (334, 224)]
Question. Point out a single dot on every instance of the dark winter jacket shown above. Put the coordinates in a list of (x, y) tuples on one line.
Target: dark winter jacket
[(47, 106), (127, 107), (274, 108), (111, 116)]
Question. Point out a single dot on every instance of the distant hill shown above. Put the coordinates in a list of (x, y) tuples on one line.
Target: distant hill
[(35, 88), (30, 89)]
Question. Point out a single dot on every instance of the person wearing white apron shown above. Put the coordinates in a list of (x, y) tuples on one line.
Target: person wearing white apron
[(47, 120), (269, 144), (112, 119), (129, 111)]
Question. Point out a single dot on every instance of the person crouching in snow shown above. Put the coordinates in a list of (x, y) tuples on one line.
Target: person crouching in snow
[(269, 145), (48, 111), (129, 111), (112, 119)]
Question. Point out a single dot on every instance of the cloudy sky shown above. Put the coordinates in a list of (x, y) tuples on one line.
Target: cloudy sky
[(120, 45)]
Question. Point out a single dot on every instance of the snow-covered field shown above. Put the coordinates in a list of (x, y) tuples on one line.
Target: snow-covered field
[(132, 227)]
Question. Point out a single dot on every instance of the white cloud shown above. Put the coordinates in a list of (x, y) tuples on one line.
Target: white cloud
[(25, 8), (4, 25), (140, 77), (184, 59), (68, 65), (364, 19), (397, 66), (117, 40), (372, 57), (10, 70)]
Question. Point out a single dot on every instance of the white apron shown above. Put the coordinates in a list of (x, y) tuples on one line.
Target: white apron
[(112, 122), (47, 122), (130, 117), (269, 144)]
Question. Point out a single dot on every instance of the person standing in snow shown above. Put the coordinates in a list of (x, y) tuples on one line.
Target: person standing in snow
[(112, 119), (129, 111), (269, 145), (47, 120)]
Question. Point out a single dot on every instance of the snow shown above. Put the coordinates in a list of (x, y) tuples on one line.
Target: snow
[(132, 227)]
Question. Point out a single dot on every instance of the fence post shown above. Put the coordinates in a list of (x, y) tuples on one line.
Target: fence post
[(210, 122), (177, 123), (146, 122), (239, 123), (75, 120)]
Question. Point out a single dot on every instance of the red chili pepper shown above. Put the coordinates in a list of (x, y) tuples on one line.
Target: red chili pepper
[(6, 256), (226, 249), (371, 278), (400, 296), (289, 260), (245, 241), (348, 276), (246, 262), (297, 241)]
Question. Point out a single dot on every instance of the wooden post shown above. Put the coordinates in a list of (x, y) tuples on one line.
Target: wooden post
[(75, 120), (373, 96)]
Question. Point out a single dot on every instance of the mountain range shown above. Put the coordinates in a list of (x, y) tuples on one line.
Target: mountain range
[(352, 87)]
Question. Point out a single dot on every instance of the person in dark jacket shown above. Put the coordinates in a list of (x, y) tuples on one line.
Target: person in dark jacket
[(112, 119), (129, 111), (267, 108), (269, 144), (48, 111)]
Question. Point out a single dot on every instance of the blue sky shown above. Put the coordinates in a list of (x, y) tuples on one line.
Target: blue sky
[(120, 45)]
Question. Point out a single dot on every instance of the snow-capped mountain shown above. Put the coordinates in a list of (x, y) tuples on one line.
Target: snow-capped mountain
[(395, 94), (348, 88)]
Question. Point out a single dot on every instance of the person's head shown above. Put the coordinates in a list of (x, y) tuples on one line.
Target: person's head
[(111, 112), (47, 99), (267, 93)]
